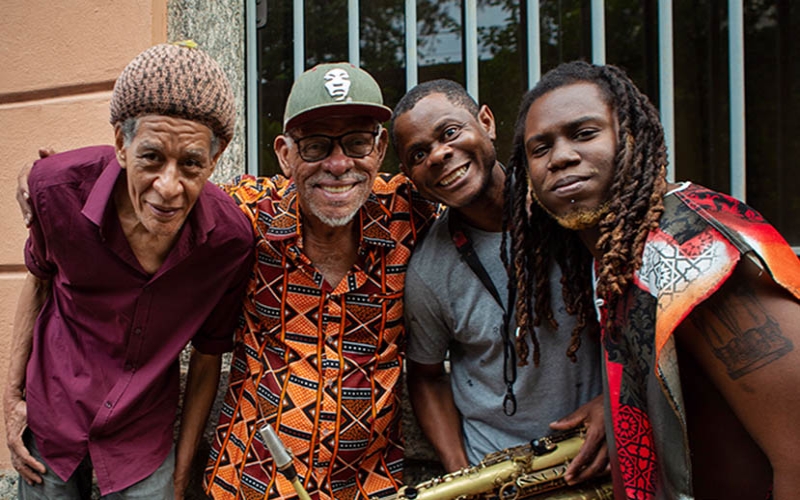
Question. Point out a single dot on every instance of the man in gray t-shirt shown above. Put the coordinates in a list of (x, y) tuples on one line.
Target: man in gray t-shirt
[(444, 142)]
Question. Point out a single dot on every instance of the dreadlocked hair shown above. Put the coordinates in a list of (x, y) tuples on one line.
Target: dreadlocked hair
[(635, 205)]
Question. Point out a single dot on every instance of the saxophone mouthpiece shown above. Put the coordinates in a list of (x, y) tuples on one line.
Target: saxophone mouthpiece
[(275, 445), (283, 459)]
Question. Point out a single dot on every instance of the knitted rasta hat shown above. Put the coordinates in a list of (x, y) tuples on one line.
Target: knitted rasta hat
[(177, 80)]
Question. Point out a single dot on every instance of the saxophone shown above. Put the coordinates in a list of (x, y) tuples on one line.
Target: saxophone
[(533, 471)]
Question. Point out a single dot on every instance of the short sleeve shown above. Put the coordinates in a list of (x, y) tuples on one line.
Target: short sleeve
[(428, 334), (36, 256)]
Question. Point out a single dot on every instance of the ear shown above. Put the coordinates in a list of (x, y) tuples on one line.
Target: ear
[(119, 145), (383, 144), (282, 151), (486, 119)]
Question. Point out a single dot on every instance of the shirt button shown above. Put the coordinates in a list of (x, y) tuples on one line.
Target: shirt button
[(108, 404), (137, 331)]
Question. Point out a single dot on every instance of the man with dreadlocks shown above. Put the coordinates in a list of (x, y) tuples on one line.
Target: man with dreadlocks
[(445, 144), (697, 295)]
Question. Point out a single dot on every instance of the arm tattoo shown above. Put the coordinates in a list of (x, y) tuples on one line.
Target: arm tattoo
[(741, 333)]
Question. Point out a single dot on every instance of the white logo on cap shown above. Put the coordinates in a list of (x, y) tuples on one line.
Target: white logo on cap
[(337, 81)]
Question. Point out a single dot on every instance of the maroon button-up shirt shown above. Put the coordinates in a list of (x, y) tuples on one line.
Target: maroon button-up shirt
[(103, 376)]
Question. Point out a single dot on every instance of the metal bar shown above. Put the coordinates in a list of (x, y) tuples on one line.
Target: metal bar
[(534, 47), (411, 43), (737, 105), (353, 33), (598, 32), (298, 31), (471, 46), (666, 83), (251, 88)]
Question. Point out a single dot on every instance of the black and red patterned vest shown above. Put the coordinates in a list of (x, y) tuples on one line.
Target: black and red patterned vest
[(701, 237)]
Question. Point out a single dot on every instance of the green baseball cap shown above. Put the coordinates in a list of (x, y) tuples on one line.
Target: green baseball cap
[(334, 89)]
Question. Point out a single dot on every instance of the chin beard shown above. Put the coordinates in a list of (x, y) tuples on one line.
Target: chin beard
[(333, 221), (577, 219), (582, 218), (336, 221)]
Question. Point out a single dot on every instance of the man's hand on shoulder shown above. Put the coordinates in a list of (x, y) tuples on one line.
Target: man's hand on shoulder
[(592, 459), (23, 193)]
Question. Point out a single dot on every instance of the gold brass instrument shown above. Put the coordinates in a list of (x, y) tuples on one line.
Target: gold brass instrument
[(532, 471)]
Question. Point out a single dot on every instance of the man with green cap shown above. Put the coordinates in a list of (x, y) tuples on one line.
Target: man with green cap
[(318, 355), (131, 254)]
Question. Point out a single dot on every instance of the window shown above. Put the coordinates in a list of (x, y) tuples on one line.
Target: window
[(702, 108)]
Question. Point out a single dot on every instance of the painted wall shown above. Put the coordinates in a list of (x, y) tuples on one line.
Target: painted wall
[(60, 61)]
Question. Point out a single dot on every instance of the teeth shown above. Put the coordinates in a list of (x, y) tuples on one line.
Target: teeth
[(454, 176), (337, 189)]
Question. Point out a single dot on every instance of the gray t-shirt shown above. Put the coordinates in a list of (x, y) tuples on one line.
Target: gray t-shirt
[(448, 308)]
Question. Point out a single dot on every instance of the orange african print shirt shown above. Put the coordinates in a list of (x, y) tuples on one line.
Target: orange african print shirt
[(321, 365)]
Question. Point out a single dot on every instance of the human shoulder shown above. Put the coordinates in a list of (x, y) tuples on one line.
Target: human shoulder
[(436, 253), (75, 166), (251, 189), (255, 195), (397, 191), (234, 223), (714, 207), (743, 229)]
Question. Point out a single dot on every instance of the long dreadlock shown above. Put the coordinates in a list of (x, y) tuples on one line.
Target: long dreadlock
[(635, 206)]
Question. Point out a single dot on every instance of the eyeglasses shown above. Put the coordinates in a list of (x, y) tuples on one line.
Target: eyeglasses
[(354, 144)]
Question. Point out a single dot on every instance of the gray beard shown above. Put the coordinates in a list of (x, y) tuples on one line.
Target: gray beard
[(335, 222)]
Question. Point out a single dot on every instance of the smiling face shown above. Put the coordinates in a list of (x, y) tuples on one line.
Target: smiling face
[(570, 144), (167, 163), (333, 189), (446, 150)]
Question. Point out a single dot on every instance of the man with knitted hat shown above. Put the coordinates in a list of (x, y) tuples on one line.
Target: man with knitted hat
[(318, 354), (131, 254)]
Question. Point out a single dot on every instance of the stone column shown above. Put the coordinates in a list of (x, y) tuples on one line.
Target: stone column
[(218, 26)]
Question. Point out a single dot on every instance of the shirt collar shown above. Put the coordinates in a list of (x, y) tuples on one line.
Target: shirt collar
[(96, 203), (374, 216)]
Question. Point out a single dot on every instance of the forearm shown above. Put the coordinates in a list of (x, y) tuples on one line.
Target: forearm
[(32, 296), (201, 389), (439, 419)]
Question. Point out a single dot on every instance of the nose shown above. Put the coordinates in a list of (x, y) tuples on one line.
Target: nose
[(337, 163), (168, 183), (440, 153), (563, 155)]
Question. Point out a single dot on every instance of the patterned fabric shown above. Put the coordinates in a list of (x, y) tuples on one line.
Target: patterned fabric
[(701, 237), (319, 364)]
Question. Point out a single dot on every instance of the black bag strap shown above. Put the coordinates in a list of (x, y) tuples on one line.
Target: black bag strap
[(467, 251)]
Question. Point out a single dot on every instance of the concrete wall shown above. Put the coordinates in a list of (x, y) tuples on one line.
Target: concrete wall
[(60, 61)]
